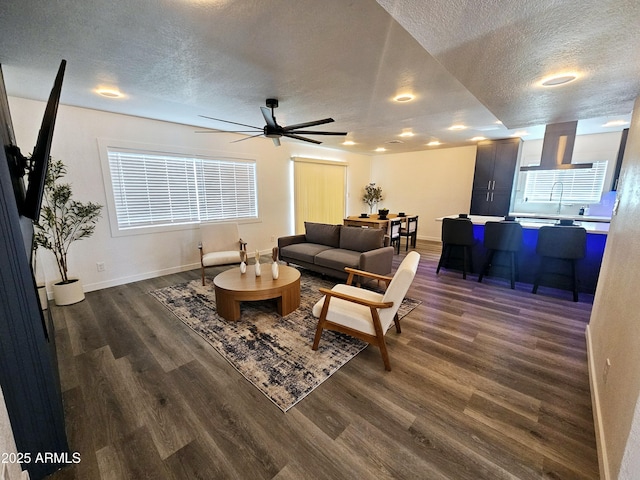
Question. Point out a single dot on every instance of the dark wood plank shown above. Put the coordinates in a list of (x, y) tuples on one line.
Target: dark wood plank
[(487, 383)]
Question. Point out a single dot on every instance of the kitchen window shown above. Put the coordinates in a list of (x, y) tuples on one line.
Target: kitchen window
[(152, 189), (582, 185)]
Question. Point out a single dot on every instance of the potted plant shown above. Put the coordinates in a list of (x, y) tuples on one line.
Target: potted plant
[(372, 195), (62, 222)]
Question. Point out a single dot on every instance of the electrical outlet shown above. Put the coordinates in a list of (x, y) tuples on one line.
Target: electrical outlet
[(605, 373), (100, 266)]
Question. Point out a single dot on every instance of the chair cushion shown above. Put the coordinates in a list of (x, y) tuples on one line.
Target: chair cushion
[(322, 233), (304, 252), (351, 314), (338, 258), (221, 258), (361, 239)]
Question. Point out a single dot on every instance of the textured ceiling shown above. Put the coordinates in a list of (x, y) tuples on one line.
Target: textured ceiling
[(467, 62)]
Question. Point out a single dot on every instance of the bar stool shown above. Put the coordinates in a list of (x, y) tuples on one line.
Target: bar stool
[(502, 237), (457, 233), (557, 247)]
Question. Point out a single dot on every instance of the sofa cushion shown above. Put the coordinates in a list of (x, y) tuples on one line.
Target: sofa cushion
[(322, 233), (304, 252), (361, 239), (338, 258)]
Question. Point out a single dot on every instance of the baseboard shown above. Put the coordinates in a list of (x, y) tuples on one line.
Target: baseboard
[(603, 461), (90, 287)]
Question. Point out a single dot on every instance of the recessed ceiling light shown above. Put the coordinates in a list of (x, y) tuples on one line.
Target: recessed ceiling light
[(348, 142), (478, 139), (407, 134), (381, 149), (520, 133), (404, 97), (615, 123), (109, 92), (457, 127), (558, 79), (433, 143)]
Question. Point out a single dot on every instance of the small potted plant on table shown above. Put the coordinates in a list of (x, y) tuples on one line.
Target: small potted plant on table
[(372, 195)]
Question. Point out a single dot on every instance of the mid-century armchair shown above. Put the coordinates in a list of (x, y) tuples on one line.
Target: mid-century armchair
[(220, 244), (362, 313)]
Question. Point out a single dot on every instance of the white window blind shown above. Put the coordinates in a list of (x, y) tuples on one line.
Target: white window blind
[(580, 185), (152, 189)]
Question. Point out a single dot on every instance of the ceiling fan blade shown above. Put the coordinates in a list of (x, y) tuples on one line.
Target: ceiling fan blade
[(308, 124), (298, 137), (215, 130), (246, 138), (311, 132), (269, 117), (276, 141), (227, 121)]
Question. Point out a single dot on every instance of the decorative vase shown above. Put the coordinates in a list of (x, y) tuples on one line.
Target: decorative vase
[(42, 296), (257, 267), (68, 293), (243, 267), (275, 270)]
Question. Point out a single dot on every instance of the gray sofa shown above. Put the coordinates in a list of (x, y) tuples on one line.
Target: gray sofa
[(328, 249)]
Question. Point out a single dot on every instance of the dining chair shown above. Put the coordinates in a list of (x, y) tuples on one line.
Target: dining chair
[(362, 313), (395, 225), (410, 231), (220, 244)]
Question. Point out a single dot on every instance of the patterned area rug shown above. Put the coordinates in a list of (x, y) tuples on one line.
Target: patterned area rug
[(272, 352)]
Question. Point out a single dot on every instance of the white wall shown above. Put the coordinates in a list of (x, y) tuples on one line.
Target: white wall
[(136, 257), (614, 329), (431, 184)]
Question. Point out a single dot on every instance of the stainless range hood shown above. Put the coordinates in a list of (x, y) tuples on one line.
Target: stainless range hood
[(557, 148)]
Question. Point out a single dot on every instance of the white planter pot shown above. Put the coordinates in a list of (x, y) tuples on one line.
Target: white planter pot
[(42, 296), (68, 293)]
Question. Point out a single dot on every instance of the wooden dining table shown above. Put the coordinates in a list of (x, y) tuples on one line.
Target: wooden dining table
[(371, 221)]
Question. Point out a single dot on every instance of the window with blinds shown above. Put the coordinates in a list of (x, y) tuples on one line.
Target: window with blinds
[(580, 185), (154, 189)]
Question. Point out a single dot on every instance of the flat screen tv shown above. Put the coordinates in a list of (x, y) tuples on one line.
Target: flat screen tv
[(40, 157)]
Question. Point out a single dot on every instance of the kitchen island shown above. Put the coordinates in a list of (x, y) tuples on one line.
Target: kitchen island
[(588, 267)]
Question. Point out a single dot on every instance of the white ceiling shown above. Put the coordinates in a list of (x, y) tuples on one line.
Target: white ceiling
[(469, 62)]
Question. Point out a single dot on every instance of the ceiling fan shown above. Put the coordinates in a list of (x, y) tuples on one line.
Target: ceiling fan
[(274, 131)]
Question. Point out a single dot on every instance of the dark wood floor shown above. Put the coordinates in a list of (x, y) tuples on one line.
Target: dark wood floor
[(487, 383)]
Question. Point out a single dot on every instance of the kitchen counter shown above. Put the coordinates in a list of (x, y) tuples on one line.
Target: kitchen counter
[(581, 218), (591, 226), (588, 268)]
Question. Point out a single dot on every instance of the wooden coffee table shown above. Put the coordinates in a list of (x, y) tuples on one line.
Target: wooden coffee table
[(232, 287)]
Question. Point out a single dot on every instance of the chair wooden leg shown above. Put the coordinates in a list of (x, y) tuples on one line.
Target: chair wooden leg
[(202, 268), (396, 321), (321, 322)]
